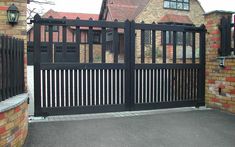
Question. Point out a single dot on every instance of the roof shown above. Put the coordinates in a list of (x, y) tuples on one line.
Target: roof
[(220, 11), (173, 18), (70, 15), (123, 9)]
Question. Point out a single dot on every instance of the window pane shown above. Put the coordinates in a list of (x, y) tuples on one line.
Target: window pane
[(179, 6), (173, 5), (186, 7), (167, 4), (186, 1)]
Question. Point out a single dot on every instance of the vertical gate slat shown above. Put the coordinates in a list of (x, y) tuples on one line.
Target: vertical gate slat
[(155, 85), (189, 84), (137, 86), (115, 44), (80, 98), (159, 85), (84, 79), (53, 87), (88, 88), (78, 42), (110, 86), (142, 46), (103, 32), (66, 88), (4, 67), (164, 46), (7, 66), (97, 87), (144, 86), (166, 82), (173, 85), (16, 65), (153, 46), (162, 85), (44, 88), (105, 87), (174, 46), (114, 86), (141, 86), (48, 89), (90, 42), (122, 86), (193, 48), (58, 82), (93, 100), (179, 85), (72, 100), (50, 49), (64, 46), (76, 87), (147, 86), (102, 102), (176, 85), (152, 84), (118, 86), (62, 98), (11, 67), (169, 88), (184, 47)]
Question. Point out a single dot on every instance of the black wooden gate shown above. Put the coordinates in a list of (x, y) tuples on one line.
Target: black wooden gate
[(145, 75)]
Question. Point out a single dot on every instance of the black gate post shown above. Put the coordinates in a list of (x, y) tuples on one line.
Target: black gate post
[(129, 60), (37, 60), (201, 74)]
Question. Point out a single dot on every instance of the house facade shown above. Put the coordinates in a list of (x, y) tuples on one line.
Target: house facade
[(172, 12)]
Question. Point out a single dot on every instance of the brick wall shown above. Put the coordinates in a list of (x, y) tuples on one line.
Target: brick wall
[(19, 30), (220, 82), (14, 126)]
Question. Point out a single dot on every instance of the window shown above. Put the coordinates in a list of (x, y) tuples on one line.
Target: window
[(176, 4), (147, 37), (54, 28), (179, 36)]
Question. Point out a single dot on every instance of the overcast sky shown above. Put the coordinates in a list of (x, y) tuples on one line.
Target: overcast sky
[(93, 6)]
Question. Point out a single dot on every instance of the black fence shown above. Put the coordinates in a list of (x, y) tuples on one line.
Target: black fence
[(11, 67), (227, 29), (75, 87)]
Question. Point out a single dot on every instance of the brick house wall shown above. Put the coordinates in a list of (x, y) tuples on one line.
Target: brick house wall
[(155, 11), (220, 82)]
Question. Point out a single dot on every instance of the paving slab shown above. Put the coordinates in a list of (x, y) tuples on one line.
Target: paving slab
[(207, 128)]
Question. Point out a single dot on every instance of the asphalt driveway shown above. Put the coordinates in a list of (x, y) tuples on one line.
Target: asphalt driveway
[(208, 128)]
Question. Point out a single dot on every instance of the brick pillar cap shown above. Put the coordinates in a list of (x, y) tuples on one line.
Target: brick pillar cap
[(219, 12)]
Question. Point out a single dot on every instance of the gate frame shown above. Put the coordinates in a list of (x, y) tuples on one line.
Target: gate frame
[(129, 62)]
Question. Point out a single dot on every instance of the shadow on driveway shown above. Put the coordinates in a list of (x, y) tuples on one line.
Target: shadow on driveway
[(207, 128)]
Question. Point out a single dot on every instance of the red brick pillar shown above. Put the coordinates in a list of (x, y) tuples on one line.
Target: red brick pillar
[(220, 82)]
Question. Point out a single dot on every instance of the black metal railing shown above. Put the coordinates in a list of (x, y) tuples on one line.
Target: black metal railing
[(11, 67), (227, 37)]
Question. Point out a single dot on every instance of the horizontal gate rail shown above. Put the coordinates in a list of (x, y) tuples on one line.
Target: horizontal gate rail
[(66, 66), (167, 66)]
